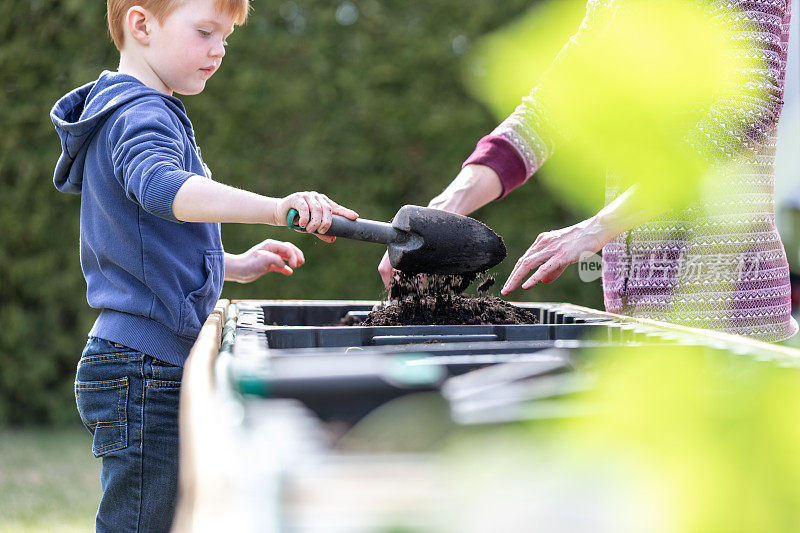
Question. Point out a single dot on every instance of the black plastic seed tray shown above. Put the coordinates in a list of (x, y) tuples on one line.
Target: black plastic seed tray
[(340, 386), (280, 338), (300, 313), (453, 358), (346, 385), (487, 374), (328, 313), (289, 326)]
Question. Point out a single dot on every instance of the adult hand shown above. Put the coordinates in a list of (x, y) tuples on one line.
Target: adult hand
[(473, 187), (267, 256), (385, 270), (553, 251), (315, 212)]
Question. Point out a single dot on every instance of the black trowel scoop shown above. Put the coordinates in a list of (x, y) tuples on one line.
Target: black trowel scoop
[(425, 240)]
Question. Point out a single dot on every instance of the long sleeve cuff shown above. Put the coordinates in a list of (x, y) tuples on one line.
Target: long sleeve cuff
[(497, 153), (161, 191)]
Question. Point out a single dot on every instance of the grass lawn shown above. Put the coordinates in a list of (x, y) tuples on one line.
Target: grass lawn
[(49, 480)]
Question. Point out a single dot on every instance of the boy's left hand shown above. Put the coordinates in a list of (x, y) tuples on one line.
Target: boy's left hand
[(267, 256)]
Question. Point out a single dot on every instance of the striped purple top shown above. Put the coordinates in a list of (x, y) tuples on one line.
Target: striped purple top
[(718, 263)]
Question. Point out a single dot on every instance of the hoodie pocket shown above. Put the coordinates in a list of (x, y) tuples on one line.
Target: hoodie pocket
[(199, 303)]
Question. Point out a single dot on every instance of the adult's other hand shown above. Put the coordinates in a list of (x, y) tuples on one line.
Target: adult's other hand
[(553, 251)]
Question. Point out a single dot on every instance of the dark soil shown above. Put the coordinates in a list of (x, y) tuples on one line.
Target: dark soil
[(440, 300)]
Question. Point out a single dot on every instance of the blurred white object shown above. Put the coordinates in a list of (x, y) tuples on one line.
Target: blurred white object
[(787, 161), (787, 158)]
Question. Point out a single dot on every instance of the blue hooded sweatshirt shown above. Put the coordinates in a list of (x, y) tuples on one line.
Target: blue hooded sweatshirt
[(127, 149)]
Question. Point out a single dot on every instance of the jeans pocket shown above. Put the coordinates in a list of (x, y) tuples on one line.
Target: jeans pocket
[(162, 371), (103, 407)]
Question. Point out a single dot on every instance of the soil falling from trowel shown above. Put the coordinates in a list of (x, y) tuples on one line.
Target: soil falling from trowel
[(440, 300)]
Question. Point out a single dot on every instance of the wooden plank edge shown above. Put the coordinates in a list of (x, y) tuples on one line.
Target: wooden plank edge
[(197, 390), (709, 333)]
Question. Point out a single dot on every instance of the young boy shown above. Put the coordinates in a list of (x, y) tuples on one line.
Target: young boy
[(150, 241)]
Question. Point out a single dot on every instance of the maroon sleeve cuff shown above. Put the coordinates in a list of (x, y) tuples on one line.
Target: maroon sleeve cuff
[(497, 153)]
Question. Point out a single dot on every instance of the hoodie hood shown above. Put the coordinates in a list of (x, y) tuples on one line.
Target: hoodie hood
[(81, 112)]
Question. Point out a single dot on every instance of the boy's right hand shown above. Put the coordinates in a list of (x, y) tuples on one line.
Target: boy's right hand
[(316, 211)]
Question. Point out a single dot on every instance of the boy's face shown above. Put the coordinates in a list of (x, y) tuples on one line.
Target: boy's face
[(186, 50)]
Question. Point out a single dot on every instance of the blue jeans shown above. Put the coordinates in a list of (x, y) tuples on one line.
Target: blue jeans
[(129, 402)]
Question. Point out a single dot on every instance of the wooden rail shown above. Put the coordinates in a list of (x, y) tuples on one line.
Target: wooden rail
[(196, 491), (708, 333)]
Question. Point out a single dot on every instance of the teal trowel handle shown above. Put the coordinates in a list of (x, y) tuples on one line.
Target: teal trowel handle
[(290, 216), (359, 229)]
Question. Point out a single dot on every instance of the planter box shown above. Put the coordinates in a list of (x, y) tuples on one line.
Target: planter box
[(269, 398)]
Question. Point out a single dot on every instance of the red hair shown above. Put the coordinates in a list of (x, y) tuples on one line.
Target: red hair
[(117, 9)]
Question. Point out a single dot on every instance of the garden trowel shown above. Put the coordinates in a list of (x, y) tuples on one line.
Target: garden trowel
[(424, 240)]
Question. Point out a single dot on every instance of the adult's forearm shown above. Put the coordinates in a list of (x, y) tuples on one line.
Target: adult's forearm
[(203, 200), (630, 209), (474, 187)]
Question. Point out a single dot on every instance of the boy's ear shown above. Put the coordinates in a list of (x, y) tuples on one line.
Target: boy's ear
[(139, 23)]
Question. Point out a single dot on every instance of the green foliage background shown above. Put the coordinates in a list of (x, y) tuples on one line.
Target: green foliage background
[(374, 114)]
